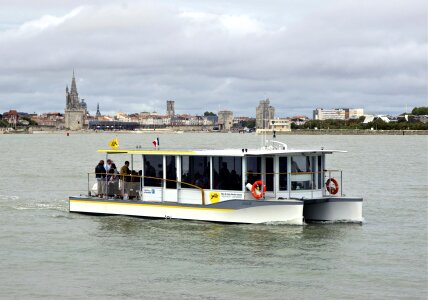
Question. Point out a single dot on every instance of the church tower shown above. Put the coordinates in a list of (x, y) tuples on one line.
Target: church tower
[(98, 114), (74, 110)]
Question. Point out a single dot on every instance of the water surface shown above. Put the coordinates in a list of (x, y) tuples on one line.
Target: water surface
[(47, 253)]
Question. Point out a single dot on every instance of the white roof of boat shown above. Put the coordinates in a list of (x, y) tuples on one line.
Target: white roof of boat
[(219, 152)]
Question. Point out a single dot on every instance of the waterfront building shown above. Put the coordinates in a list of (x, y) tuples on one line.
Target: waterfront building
[(75, 111), (12, 117), (276, 126), (338, 113), (112, 125), (225, 120), (280, 125), (353, 113), (264, 113), (170, 110)]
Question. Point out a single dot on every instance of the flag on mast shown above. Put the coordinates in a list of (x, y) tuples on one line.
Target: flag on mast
[(156, 143)]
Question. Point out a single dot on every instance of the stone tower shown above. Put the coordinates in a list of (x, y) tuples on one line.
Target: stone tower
[(225, 120), (74, 110), (170, 110), (264, 112)]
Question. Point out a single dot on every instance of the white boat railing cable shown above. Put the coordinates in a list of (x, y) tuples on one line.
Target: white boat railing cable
[(126, 182)]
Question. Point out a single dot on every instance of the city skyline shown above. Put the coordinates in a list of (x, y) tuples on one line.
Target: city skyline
[(215, 56)]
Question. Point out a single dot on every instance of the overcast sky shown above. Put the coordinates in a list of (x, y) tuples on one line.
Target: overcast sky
[(132, 56)]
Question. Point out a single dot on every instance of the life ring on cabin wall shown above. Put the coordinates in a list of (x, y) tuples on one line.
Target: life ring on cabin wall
[(258, 189), (332, 186)]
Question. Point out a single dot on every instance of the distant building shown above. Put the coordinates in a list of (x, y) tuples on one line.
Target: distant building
[(264, 112), (353, 113), (280, 125), (212, 120), (12, 117), (225, 120), (75, 111), (98, 113), (338, 113), (112, 125), (170, 110), (299, 120)]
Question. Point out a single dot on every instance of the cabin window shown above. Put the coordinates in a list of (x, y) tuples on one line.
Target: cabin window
[(319, 172), (302, 168), (153, 167), (254, 169), (283, 176), (227, 173), (269, 173), (196, 171), (171, 172)]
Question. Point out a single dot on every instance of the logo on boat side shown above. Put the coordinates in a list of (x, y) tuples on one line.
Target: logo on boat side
[(214, 197)]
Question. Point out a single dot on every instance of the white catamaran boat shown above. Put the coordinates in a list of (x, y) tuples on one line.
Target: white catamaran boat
[(272, 184)]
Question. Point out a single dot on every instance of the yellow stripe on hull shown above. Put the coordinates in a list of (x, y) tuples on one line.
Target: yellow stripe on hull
[(152, 205)]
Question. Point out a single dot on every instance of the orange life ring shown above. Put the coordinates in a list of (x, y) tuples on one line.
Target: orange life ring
[(258, 189), (332, 189)]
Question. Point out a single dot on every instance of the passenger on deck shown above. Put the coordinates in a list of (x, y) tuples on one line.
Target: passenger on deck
[(112, 183), (124, 172), (113, 166), (108, 165), (100, 171), (100, 175)]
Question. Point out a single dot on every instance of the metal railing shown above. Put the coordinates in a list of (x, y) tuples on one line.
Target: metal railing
[(314, 183), (116, 185), (327, 176)]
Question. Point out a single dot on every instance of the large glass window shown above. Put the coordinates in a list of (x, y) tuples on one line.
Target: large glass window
[(269, 173), (171, 172), (301, 169), (153, 167), (195, 170), (283, 178), (319, 173), (227, 173), (254, 169)]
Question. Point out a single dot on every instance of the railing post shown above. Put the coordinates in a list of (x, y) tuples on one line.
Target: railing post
[(105, 188), (312, 185), (89, 191)]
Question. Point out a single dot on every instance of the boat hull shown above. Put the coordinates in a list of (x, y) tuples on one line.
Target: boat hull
[(334, 209), (231, 211)]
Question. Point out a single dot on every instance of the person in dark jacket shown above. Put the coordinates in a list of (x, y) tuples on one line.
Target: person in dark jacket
[(100, 171), (100, 175)]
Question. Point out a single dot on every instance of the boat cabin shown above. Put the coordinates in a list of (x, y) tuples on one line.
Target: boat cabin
[(211, 176)]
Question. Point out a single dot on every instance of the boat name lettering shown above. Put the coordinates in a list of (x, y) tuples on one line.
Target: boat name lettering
[(231, 195)]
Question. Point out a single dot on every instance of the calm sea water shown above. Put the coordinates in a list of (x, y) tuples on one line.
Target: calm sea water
[(48, 253)]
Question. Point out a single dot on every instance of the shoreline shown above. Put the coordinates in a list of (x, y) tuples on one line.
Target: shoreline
[(293, 132)]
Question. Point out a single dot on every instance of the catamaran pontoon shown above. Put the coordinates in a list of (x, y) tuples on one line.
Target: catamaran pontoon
[(272, 184)]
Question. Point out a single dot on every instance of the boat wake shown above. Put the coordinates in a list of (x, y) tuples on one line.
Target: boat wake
[(288, 223), (361, 221)]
